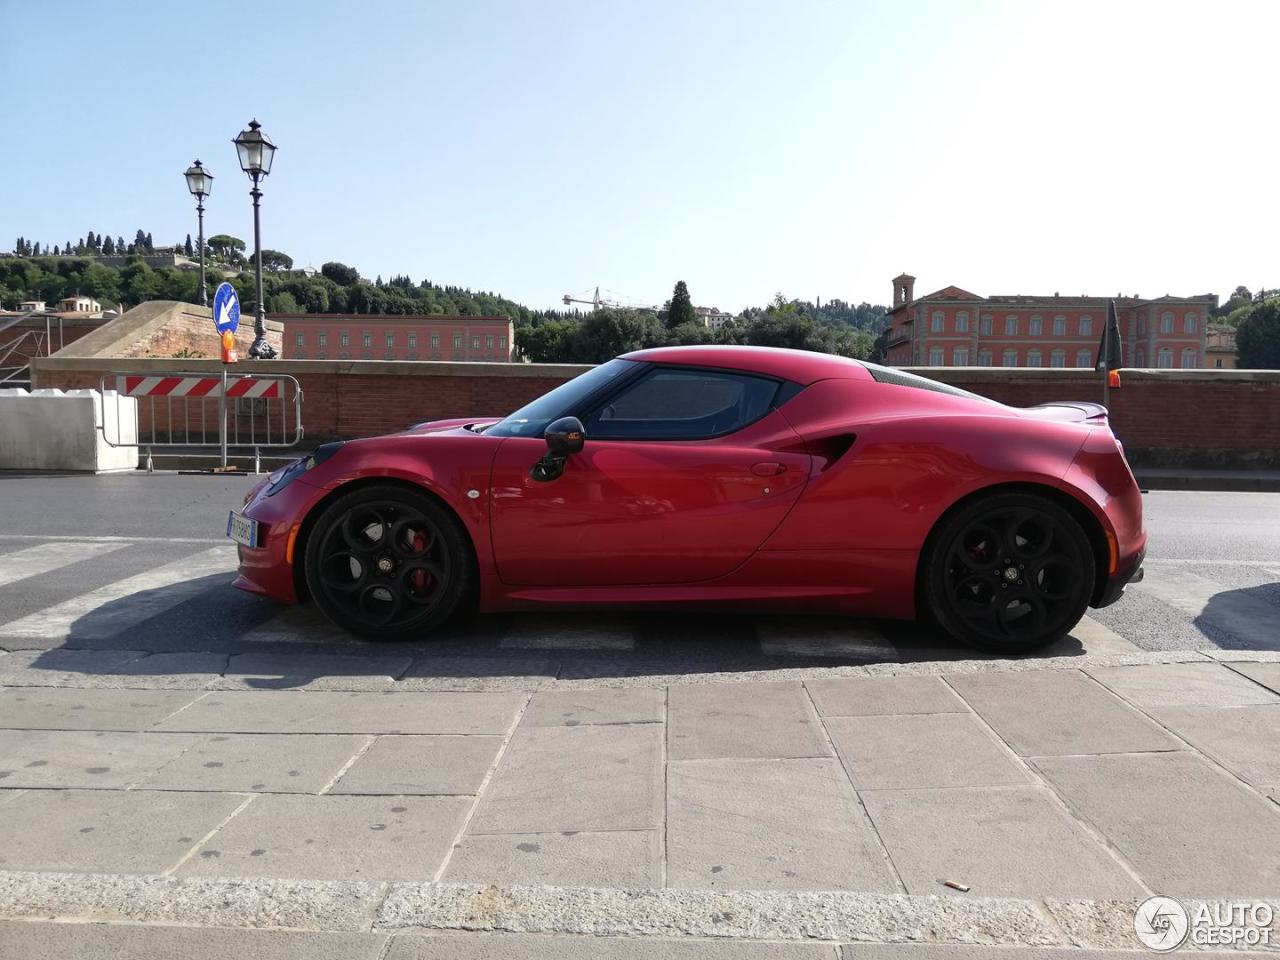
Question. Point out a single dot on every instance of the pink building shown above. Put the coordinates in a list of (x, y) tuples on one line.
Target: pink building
[(366, 336), (955, 328)]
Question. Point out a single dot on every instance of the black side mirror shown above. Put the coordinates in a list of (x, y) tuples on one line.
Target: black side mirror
[(564, 438)]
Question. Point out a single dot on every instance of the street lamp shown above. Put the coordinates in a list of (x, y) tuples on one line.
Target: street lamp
[(256, 152), (200, 183)]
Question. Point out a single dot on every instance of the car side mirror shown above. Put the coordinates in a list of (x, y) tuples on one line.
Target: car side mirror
[(564, 437)]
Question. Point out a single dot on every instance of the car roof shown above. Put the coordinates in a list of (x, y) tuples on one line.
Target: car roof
[(798, 366)]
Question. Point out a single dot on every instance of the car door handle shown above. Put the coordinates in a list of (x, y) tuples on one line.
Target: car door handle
[(768, 468)]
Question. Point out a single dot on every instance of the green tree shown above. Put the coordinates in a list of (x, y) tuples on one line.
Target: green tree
[(1258, 337), (274, 260), (608, 332), (545, 342), (340, 273), (187, 247), (679, 309), (224, 246)]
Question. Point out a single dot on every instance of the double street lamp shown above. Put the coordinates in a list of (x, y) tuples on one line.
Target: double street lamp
[(256, 153), (200, 183)]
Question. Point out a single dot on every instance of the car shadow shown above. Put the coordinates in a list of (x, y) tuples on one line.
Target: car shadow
[(1247, 618)]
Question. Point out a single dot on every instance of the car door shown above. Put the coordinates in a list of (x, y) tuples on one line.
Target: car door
[(684, 473)]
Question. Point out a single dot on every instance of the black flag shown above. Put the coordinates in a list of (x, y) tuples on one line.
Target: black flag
[(1110, 354)]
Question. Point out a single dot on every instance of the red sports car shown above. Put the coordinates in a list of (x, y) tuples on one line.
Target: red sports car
[(722, 477)]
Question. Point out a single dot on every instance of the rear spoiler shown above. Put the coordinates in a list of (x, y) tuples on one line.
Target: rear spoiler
[(1075, 411)]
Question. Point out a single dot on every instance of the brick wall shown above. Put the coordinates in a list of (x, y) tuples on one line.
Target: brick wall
[(1164, 417)]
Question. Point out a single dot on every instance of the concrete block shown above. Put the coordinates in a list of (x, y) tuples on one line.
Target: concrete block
[(571, 708), (1053, 712), (1245, 740), (1188, 828), (289, 671), (876, 696), (1265, 673), (742, 720), (769, 825), (421, 765), (332, 838), (82, 758), (30, 708), (331, 712), (257, 763), (923, 750), (575, 778), (1182, 685), (617, 858), (999, 841), (107, 831), (62, 430)]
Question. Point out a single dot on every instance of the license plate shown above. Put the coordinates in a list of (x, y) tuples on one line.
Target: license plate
[(242, 529)]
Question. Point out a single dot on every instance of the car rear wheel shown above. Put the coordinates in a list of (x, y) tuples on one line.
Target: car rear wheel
[(1009, 573), (388, 563)]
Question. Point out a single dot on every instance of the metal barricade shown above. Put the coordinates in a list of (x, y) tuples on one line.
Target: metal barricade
[(199, 410)]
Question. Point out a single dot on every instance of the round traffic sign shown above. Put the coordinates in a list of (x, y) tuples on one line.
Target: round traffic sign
[(226, 308)]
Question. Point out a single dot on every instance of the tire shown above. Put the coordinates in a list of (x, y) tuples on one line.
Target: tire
[(1008, 573), (388, 563)]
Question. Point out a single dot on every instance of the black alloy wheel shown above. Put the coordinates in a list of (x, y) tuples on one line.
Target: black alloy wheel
[(1009, 573), (388, 563)]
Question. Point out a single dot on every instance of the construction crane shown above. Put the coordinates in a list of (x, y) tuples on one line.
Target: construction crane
[(596, 302)]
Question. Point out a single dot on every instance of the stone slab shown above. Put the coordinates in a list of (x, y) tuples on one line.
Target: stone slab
[(1245, 740), (883, 696), (84, 758), (331, 838), (28, 940), (295, 671), (769, 825), (716, 721), (421, 765), (616, 858), (571, 708), (575, 778), (256, 763), (1183, 685), (1053, 712), (964, 951), (1188, 828), (500, 946), (1265, 673), (107, 831), (999, 841), (87, 709), (331, 712), (435, 672), (60, 667), (921, 750)]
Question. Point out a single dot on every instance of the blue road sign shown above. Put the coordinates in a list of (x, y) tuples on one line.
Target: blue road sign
[(226, 308)]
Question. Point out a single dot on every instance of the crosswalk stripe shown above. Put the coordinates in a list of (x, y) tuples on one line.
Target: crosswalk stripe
[(853, 638), (568, 633), (48, 557), (1099, 639), (131, 600), (1246, 618)]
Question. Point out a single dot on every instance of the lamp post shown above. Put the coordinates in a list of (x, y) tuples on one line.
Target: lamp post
[(256, 152), (200, 183)]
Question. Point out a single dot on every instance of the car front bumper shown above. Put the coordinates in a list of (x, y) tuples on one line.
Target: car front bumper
[(1132, 572)]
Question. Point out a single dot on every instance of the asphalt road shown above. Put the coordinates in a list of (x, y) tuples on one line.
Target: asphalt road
[(1213, 580)]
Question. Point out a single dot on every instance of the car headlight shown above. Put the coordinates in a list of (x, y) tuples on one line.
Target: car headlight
[(282, 478)]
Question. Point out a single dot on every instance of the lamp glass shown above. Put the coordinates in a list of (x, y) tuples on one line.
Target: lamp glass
[(199, 180)]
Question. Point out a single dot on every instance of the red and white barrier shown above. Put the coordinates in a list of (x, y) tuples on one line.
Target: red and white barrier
[(138, 386)]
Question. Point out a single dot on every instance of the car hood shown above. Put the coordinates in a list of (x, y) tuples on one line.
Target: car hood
[(439, 426)]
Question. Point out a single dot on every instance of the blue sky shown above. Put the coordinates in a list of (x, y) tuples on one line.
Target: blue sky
[(534, 149)]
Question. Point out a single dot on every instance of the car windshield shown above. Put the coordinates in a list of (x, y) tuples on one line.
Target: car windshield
[(532, 419)]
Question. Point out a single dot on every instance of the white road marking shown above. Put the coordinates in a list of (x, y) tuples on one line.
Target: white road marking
[(568, 633), (131, 600), (1098, 639), (854, 639), (51, 537), (48, 557), (1246, 618), (300, 623)]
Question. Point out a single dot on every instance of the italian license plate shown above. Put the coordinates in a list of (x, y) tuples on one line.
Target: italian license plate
[(242, 529)]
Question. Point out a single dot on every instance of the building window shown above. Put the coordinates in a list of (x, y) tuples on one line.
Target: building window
[(1084, 358), (961, 358), (1218, 362), (344, 355), (1059, 326), (1166, 322), (1058, 358), (1010, 358), (344, 339), (984, 327), (435, 341), (322, 339), (1086, 326), (1140, 358), (1142, 324), (413, 354), (321, 355), (935, 356), (1033, 358), (475, 343), (1165, 358), (368, 339), (962, 321), (984, 358), (488, 342), (413, 342), (1036, 323), (390, 340), (1011, 326), (302, 355), (297, 340), (936, 325), (1189, 358), (502, 343), (457, 341), (1189, 323)]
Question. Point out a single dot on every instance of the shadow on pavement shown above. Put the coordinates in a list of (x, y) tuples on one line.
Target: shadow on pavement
[(1243, 619)]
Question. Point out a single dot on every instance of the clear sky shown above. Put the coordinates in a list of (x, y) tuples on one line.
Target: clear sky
[(534, 149)]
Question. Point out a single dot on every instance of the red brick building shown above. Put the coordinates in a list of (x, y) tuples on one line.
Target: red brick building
[(363, 336), (955, 328)]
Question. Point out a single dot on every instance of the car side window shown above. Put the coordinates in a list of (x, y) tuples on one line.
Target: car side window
[(670, 404)]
